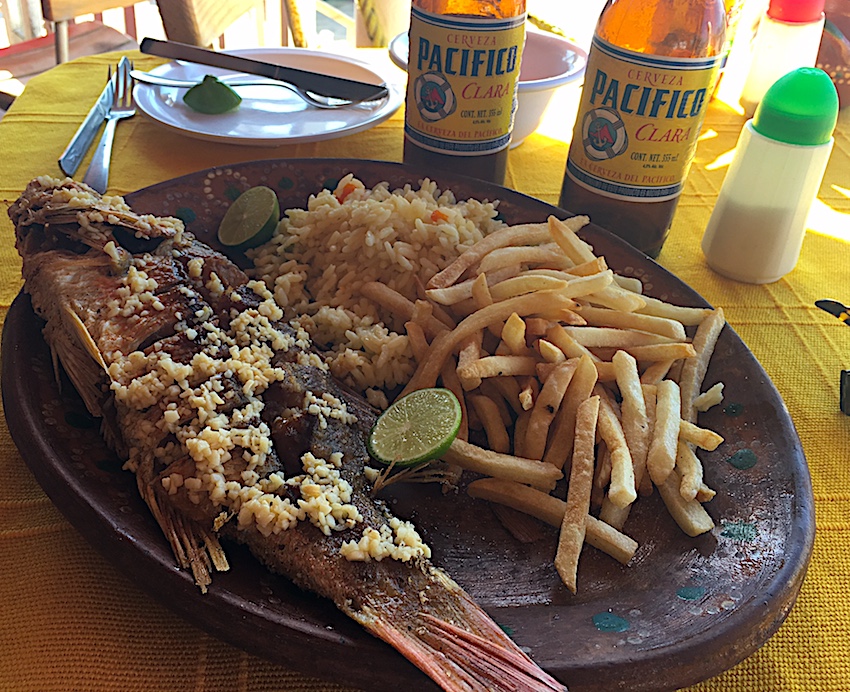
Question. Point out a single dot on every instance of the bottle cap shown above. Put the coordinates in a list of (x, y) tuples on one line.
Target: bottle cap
[(800, 108), (796, 11)]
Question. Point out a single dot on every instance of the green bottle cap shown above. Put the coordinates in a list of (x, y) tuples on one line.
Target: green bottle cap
[(800, 108)]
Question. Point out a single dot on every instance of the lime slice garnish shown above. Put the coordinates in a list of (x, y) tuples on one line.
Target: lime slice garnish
[(416, 428), (251, 220), (211, 97)]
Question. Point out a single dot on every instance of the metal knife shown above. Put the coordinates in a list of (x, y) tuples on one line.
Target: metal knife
[(833, 307), (76, 150), (321, 84)]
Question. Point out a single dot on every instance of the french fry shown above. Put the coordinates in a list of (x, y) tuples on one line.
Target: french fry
[(457, 293), (562, 315), (417, 339), (710, 397), (489, 389), (633, 410), (629, 283), (549, 254), (690, 317), (510, 389), (546, 406), (452, 383), (605, 371), (603, 317), (655, 352), (437, 310), (528, 392), (650, 395), (505, 466), (705, 494), (494, 426), (423, 310), (601, 476), (526, 234), (537, 326), (622, 488), (497, 366), (564, 233), (513, 334), (394, 302), (675, 371), (525, 283), (701, 437), (661, 458), (549, 352), (481, 292), (563, 427), (693, 371), (578, 286), (610, 337), (617, 298), (520, 426), (690, 469), (550, 509), (573, 525), (470, 352), (595, 266), (656, 371), (446, 341), (690, 515), (567, 343)]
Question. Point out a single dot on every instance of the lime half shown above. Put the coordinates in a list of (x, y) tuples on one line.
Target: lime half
[(251, 220), (416, 428), (211, 97)]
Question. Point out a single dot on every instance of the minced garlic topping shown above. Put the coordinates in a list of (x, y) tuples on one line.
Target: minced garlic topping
[(399, 540), (136, 295), (204, 429)]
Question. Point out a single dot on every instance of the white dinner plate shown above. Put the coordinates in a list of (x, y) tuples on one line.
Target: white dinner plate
[(269, 115)]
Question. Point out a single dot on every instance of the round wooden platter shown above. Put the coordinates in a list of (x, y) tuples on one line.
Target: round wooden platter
[(684, 610)]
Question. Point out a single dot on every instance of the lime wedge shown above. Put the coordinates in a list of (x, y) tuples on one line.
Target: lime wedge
[(211, 97), (251, 220), (416, 428)]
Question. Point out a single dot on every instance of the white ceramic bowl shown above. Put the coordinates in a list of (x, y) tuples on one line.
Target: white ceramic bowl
[(548, 62)]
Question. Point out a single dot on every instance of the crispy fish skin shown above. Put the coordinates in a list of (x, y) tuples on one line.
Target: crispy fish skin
[(157, 332)]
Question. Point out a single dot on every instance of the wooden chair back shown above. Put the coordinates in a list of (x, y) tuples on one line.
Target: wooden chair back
[(201, 22), (63, 13)]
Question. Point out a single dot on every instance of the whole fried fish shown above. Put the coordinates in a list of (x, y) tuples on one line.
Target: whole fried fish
[(234, 427)]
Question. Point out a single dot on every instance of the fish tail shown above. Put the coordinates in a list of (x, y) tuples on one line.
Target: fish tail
[(461, 661), (476, 656)]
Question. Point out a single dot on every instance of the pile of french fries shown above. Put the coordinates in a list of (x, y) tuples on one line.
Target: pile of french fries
[(569, 371)]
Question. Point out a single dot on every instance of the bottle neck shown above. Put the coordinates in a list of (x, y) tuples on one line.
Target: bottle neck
[(502, 9)]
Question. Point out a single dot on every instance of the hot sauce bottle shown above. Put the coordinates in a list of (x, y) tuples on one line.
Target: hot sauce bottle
[(463, 70), (651, 70)]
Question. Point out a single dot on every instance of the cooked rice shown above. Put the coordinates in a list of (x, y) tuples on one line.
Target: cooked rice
[(320, 257)]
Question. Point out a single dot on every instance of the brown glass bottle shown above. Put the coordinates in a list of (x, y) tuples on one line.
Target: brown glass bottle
[(463, 69), (651, 71)]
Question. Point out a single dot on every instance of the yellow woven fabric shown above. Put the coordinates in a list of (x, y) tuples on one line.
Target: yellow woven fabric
[(72, 622)]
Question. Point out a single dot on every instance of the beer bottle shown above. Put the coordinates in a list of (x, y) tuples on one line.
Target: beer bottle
[(463, 69), (650, 73)]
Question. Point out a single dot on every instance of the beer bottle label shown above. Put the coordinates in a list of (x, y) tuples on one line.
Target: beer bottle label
[(638, 122), (461, 86)]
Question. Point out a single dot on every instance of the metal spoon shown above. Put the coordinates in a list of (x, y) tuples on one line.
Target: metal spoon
[(237, 80)]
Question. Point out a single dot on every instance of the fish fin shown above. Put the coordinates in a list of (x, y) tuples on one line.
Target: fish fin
[(85, 338), (194, 547)]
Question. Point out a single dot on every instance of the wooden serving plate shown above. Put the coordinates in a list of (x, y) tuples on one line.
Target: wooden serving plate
[(684, 610)]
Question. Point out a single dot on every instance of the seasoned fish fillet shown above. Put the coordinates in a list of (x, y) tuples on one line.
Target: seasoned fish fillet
[(234, 427)]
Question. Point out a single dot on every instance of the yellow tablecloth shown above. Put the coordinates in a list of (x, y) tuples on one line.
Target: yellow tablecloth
[(70, 621)]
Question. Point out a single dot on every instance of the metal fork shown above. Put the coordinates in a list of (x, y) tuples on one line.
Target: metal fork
[(123, 106)]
